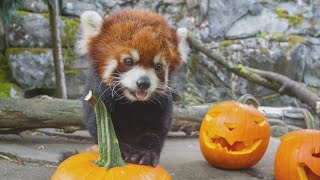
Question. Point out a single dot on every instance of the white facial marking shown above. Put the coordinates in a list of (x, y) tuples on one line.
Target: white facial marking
[(158, 59), (135, 55), (166, 77), (183, 46), (110, 67), (91, 23), (124, 56), (129, 80)]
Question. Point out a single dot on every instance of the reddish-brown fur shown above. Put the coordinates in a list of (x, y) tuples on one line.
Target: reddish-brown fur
[(128, 29)]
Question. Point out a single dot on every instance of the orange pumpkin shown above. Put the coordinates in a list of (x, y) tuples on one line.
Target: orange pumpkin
[(108, 163), (298, 156), (234, 135), (83, 166)]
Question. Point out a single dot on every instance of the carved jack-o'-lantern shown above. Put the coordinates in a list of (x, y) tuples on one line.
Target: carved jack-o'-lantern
[(298, 156), (234, 135)]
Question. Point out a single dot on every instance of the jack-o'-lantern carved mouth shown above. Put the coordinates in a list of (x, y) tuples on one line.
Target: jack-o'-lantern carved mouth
[(237, 147), (305, 172)]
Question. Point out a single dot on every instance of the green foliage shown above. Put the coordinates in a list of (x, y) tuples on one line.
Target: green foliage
[(5, 89), (5, 74), (8, 10), (70, 28), (293, 19), (68, 56)]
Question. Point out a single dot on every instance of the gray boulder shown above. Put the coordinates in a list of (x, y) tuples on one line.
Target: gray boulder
[(33, 30), (312, 68), (77, 7), (37, 6), (75, 83), (267, 21), (32, 68), (28, 30), (278, 131), (223, 13), (315, 4)]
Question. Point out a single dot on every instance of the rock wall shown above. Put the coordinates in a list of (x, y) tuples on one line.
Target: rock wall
[(276, 35)]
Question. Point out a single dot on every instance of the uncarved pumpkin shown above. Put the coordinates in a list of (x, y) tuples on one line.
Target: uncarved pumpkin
[(234, 135), (83, 166), (106, 161), (298, 156)]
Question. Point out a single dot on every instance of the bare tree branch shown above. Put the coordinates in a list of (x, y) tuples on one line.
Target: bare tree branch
[(270, 80)]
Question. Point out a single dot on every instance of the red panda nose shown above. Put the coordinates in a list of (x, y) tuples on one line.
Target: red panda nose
[(143, 83)]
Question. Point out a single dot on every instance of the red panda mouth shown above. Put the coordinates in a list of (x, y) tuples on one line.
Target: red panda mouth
[(139, 94)]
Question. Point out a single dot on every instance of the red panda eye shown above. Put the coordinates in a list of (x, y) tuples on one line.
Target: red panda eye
[(128, 61), (158, 66)]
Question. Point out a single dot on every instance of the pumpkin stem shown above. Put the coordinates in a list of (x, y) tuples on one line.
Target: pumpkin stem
[(249, 99), (109, 151)]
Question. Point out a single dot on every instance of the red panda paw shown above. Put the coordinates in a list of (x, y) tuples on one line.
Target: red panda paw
[(138, 156)]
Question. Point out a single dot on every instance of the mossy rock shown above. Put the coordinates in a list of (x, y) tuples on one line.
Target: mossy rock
[(225, 43), (68, 54), (23, 13), (293, 19), (293, 40), (193, 63), (261, 34), (33, 29), (13, 51), (181, 13)]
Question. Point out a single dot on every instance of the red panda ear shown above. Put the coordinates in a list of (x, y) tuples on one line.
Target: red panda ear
[(91, 23), (183, 44)]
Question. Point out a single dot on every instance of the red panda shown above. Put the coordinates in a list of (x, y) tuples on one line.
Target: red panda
[(132, 54)]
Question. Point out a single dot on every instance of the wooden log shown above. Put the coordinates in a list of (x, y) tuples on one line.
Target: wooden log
[(22, 114), (17, 115)]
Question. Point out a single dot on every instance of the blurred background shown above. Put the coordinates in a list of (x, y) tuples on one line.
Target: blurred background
[(274, 35)]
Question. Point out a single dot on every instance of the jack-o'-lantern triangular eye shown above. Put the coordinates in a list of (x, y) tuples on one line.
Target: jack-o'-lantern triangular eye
[(231, 126), (260, 121)]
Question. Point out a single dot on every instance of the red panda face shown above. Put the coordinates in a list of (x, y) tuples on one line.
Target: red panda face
[(134, 51)]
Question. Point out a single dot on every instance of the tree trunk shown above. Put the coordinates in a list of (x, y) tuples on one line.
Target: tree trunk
[(61, 90)]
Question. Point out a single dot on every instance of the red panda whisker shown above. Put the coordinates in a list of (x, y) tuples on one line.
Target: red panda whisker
[(99, 84), (113, 89), (103, 92), (119, 89)]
